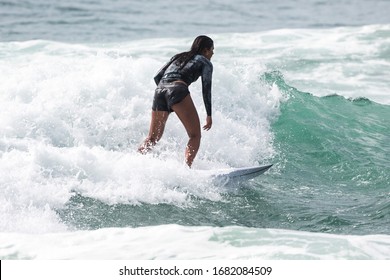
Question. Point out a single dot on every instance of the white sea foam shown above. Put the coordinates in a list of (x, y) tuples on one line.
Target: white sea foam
[(190, 243), (74, 115), (352, 62)]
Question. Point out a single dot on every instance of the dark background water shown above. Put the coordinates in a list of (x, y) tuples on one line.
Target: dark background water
[(121, 20)]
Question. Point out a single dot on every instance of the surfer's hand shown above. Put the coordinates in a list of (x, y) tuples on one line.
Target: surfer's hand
[(209, 123)]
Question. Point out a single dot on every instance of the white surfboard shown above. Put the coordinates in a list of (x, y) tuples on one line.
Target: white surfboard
[(242, 173)]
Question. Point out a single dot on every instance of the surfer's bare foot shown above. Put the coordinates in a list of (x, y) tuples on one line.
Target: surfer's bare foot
[(146, 146)]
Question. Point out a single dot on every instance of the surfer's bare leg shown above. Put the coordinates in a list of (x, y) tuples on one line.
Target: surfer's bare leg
[(188, 115), (156, 130)]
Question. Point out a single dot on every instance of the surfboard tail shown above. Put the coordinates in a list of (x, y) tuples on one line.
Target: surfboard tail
[(244, 173)]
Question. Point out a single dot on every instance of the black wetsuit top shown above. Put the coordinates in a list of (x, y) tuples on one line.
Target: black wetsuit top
[(189, 73)]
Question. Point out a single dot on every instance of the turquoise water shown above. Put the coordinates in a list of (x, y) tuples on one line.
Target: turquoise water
[(307, 91), (337, 148)]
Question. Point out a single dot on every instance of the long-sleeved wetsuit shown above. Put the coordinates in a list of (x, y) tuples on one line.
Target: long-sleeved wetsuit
[(189, 73)]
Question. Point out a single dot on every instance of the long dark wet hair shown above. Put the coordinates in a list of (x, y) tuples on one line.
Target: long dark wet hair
[(200, 43)]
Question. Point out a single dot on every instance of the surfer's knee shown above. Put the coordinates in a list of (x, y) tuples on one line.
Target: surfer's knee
[(195, 135)]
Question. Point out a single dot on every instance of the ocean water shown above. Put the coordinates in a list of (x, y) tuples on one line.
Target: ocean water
[(300, 84)]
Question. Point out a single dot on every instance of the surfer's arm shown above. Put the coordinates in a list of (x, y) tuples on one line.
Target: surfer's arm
[(160, 73), (157, 78), (207, 74)]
